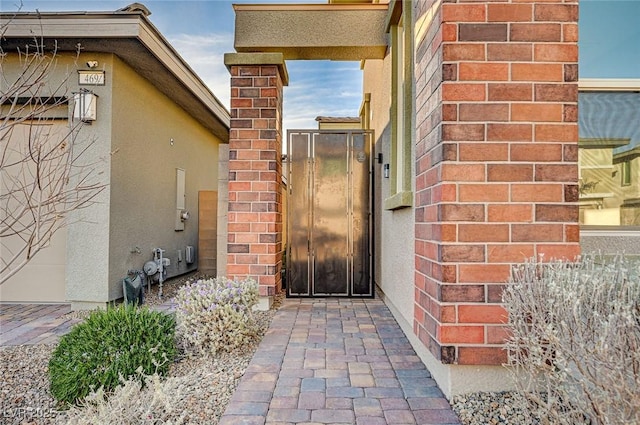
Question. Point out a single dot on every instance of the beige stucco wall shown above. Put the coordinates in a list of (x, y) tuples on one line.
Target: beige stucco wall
[(339, 125), (348, 32), (143, 176), (88, 236), (394, 230)]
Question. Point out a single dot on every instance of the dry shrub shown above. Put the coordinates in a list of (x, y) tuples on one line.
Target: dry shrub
[(215, 315), (130, 404), (575, 344)]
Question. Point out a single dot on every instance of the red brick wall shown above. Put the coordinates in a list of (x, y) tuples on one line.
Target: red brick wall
[(496, 161), (255, 176)]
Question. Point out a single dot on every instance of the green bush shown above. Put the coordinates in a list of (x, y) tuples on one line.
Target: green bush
[(111, 345), (215, 314)]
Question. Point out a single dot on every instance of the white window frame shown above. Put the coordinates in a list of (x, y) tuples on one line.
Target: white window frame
[(400, 184)]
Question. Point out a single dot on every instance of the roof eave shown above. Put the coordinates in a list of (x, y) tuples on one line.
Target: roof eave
[(104, 32)]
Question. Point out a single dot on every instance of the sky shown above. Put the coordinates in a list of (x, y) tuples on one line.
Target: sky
[(201, 31)]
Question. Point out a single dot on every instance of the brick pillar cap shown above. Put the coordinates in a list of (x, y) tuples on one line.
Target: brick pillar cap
[(259, 58)]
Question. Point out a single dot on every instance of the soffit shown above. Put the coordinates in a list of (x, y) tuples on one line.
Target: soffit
[(313, 31), (137, 42)]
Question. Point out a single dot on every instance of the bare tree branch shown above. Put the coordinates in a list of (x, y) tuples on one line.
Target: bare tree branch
[(43, 163)]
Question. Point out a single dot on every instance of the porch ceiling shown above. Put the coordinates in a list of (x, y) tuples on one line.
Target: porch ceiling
[(313, 31)]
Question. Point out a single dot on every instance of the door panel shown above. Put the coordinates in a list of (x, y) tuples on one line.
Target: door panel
[(361, 215), (299, 155), (330, 215), (329, 211)]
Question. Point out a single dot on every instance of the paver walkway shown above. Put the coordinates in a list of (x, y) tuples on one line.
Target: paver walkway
[(27, 324), (336, 361), (30, 324)]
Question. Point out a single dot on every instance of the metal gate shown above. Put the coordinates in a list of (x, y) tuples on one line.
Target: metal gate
[(329, 213)]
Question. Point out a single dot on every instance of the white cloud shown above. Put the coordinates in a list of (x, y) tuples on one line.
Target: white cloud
[(205, 55), (316, 88), (321, 88)]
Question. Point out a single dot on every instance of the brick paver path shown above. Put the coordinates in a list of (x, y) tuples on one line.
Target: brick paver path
[(28, 324), (329, 361)]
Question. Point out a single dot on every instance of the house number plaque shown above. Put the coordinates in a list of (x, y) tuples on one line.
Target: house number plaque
[(91, 78)]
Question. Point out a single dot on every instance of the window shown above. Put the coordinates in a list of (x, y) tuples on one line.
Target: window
[(626, 173), (609, 152), (401, 194), (609, 113)]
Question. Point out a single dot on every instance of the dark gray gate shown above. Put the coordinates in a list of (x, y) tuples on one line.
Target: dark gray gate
[(329, 213)]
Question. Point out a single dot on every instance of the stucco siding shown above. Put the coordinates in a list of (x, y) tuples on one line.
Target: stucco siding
[(394, 230), (223, 209), (611, 241), (88, 233), (152, 137), (61, 271)]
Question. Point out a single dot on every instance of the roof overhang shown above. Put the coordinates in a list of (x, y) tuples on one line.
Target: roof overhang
[(608, 143), (629, 155), (132, 37), (313, 31)]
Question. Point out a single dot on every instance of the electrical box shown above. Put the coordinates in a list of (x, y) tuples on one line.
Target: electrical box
[(190, 254), (180, 199)]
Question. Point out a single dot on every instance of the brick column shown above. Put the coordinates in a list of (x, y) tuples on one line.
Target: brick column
[(255, 170), (496, 162)]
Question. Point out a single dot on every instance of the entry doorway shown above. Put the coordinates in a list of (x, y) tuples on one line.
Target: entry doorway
[(329, 213)]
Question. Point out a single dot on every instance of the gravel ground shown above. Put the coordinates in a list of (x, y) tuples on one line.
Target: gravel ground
[(503, 408), (169, 288), (24, 389), (152, 298), (207, 383)]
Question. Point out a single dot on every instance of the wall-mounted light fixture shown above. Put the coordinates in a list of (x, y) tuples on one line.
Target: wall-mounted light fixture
[(386, 171), (85, 105)]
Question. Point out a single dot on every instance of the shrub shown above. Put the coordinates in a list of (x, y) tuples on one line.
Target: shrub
[(110, 345), (575, 343), (130, 403), (215, 314)]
